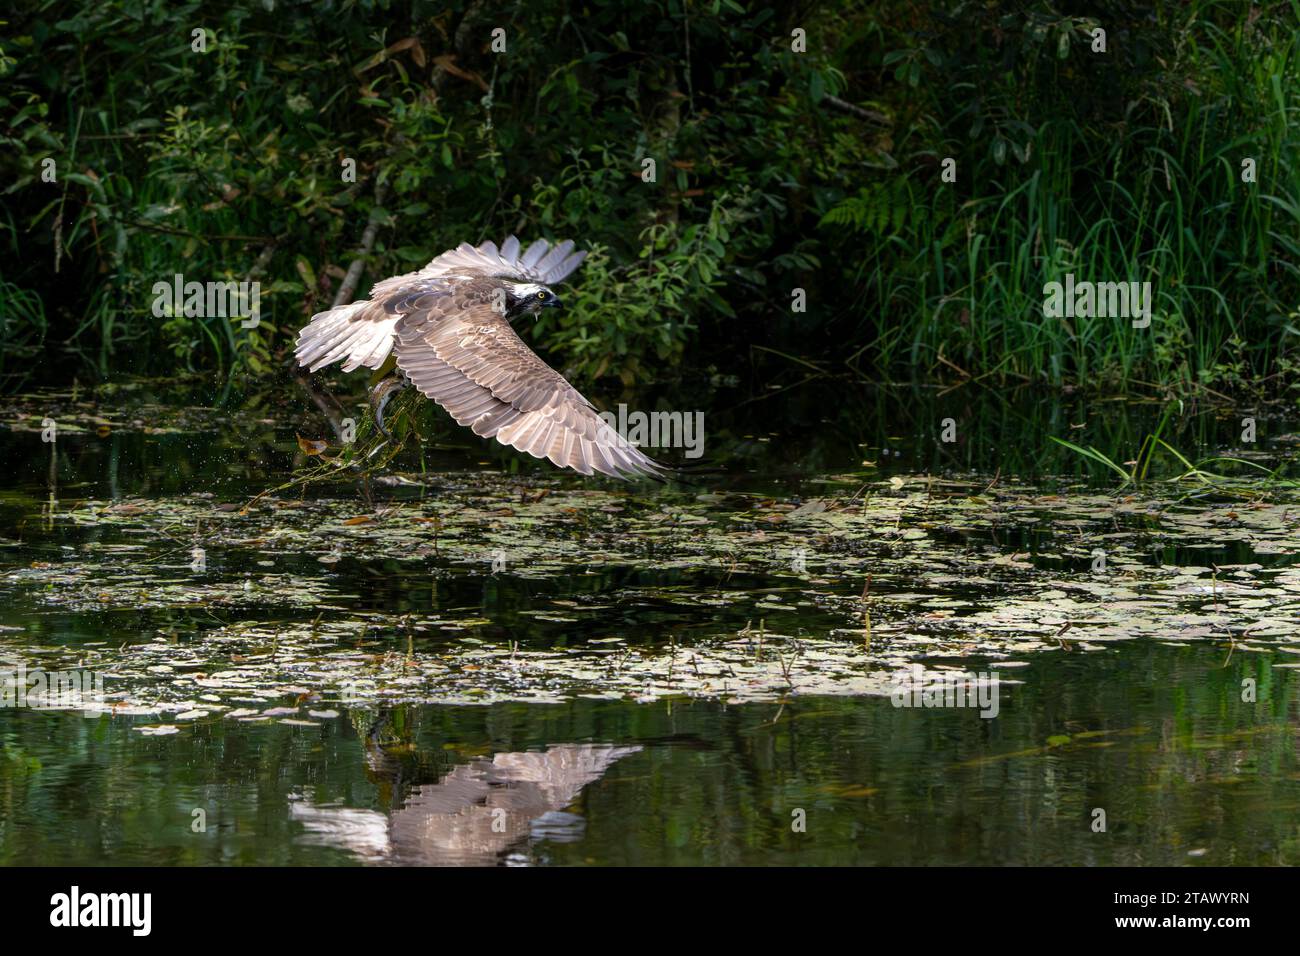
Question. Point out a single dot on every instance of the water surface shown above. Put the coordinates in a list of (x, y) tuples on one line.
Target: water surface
[(649, 677)]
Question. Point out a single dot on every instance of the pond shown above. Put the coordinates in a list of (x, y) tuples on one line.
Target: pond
[(470, 660)]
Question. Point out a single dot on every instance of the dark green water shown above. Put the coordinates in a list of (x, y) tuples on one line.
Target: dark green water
[(1154, 735), (1188, 772)]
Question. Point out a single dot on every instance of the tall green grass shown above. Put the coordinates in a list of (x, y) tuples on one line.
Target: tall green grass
[(1152, 191), (1122, 166)]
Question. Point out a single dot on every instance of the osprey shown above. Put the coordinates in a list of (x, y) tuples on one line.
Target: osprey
[(448, 329)]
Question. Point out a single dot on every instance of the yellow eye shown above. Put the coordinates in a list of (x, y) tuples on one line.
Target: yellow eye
[(541, 295)]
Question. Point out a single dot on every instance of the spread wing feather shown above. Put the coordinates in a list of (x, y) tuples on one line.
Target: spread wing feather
[(363, 333), (539, 263), (465, 356)]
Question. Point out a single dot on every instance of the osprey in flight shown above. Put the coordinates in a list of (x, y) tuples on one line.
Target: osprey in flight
[(448, 328)]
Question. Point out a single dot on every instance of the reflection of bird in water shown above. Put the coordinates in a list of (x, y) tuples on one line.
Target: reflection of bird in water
[(474, 814)]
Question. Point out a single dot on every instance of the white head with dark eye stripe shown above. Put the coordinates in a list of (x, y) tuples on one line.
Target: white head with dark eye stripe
[(529, 297)]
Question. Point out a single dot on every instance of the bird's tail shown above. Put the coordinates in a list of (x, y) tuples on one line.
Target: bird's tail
[(362, 333)]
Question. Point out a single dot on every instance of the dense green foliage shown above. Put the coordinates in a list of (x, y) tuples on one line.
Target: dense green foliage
[(775, 170)]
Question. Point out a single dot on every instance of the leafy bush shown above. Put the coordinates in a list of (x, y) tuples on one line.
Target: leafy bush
[(776, 170)]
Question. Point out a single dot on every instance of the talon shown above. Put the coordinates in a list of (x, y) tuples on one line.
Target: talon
[(380, 396)]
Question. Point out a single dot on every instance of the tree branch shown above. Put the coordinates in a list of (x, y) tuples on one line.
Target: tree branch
[(353, 275), (861, 112)]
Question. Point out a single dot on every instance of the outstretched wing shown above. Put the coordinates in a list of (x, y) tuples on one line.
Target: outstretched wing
[(538, 263), (363, 333), (464, 355)]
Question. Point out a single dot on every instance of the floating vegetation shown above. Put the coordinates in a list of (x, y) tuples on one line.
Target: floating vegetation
[(129, 406), (738, 597)]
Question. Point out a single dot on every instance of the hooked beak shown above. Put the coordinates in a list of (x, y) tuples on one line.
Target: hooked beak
[(552, 303)]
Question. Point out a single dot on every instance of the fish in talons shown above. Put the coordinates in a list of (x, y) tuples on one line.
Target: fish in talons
[(381, 395)]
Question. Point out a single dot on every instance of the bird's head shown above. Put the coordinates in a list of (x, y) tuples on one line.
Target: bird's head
[(527, 298)]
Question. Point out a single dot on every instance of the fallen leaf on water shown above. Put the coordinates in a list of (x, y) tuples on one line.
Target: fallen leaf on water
[(311, 446)]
